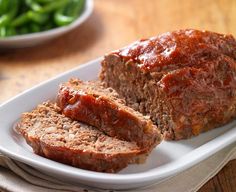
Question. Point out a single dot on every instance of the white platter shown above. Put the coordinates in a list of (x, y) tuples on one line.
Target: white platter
[(168, 159), (32, 39)]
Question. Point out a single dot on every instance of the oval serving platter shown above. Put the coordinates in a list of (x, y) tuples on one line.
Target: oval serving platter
[(166, 160)]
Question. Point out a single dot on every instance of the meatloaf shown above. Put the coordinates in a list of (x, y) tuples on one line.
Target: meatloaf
[(59, 138), (101, 107), (185, 80)]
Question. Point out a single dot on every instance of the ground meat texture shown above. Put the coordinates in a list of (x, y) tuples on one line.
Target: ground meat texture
[(54, 136), (101, 107), (185, 80)]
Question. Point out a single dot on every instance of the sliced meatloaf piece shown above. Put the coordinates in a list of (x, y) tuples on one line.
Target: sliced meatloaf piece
[(54, 136), (185, 80), (93, 104)]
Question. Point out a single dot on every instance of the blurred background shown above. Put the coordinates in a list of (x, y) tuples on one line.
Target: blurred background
[(112, 25)]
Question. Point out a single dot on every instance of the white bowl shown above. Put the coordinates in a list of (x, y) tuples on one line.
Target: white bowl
[(31, 39)]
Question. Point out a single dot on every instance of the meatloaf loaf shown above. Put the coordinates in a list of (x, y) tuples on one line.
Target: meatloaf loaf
[(101, 107), (59, 138), (185, 80)]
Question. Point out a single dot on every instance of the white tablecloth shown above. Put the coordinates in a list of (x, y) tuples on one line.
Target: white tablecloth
[(18, 177)]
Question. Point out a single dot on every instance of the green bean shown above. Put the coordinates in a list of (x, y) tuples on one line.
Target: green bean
[(20, 20), (67, 9), (33, 5), (6, 18), (78, 7), (30, 16), (3, 31), (61, 17), (38, 17), (54, 5)]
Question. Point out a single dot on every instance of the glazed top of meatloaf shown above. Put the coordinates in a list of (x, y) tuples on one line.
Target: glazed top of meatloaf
[(173, 50)]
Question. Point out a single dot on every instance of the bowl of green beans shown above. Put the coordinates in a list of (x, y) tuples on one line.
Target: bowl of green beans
[(25, 23)]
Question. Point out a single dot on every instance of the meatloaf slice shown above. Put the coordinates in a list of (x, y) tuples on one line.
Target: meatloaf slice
[(185, 80), (91, 103), (54, 136)]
